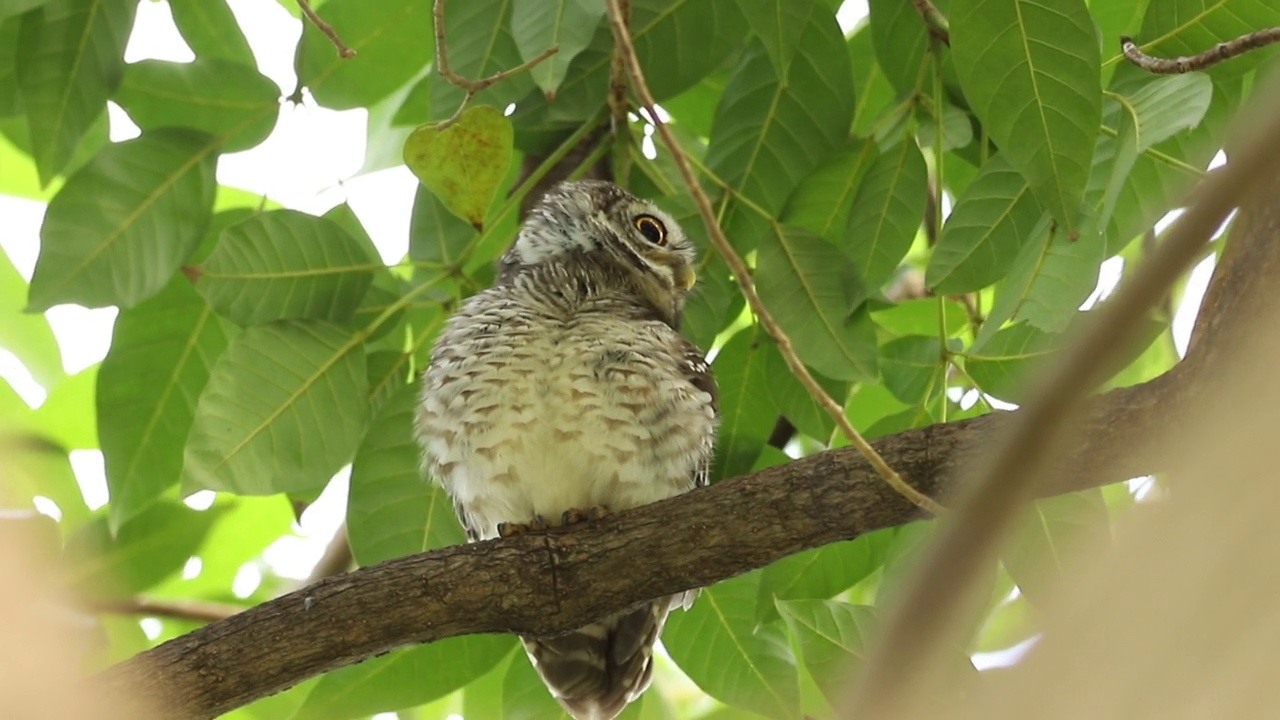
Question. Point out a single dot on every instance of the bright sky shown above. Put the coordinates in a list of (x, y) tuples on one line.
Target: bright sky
[(308, 163)]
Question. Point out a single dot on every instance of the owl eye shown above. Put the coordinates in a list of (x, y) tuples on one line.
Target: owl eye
[(652, 229)]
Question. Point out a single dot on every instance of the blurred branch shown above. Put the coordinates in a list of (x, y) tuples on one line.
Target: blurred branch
[(622, 40), (336, 560), (618, 83), (538, 584), (1181, 65), (919, 628), (471, 87), (205, 611), (344, 52)]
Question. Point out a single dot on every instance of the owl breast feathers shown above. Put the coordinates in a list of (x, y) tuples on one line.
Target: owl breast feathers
[(567, 387)]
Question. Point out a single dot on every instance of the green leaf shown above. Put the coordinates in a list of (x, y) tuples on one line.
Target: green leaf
[(794, 401), (234, 103), (286, 264), (747, 416), (161, 355), (1052, 534), (912, 368), (27, 336), (957, 130), (779, 25), (822, 202), (11, 8), (661, 32), (67, 417), (403, 679), (524, 696), (70, 58), (34, 466), (566, 24), (1144, 113), (1050, 278), (10, 99), (118, 230), (993, 219), (886, 212), (1008, 359), (211, 30), (872, 89), (1166, 106), (1031, 74), (901, 41), (146, 549), (1176, 28), (244, 528), (393, 510), (717, 644), (814, 293), (833, 638), (920, 317), (821, 573), (464, 164), (392, 40), (772, 130), (708, 308), (283, 410)]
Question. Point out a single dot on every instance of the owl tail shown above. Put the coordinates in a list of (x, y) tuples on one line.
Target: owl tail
[(596, 670)]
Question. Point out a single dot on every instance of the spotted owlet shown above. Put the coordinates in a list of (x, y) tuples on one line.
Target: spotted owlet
[(565, 389)]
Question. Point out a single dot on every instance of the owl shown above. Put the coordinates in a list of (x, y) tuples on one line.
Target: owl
[(565, 391)]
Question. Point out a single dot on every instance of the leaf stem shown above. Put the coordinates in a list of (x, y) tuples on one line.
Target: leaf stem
[(471, 87), (742, 275)]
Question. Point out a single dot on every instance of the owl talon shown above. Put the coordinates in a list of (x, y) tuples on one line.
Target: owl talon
[(511, 529), (573, 516)]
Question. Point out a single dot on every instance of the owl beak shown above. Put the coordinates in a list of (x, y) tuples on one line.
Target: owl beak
[(685, 276)]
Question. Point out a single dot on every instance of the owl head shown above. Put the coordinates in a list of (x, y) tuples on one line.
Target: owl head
[(598, 221)]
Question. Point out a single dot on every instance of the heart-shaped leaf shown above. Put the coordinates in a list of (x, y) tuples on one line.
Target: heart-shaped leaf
[(464, 163)]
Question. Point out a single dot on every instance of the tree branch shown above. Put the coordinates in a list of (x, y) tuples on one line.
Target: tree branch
[(539, 585), (1218, 53)]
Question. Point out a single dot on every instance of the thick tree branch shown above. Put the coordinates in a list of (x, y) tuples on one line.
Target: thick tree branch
[(535, 584)]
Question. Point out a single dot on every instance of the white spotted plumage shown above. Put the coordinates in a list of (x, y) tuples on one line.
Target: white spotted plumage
[(567, 386)]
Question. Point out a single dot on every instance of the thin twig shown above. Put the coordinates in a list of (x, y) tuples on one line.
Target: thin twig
[(198, 610), (743, 276), (336, 560), (919, 629), (1218, 53), (471, 87), (934, 20), (344, 52)]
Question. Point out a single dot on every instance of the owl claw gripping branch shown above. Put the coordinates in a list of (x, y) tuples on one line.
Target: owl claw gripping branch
[(565, 386)]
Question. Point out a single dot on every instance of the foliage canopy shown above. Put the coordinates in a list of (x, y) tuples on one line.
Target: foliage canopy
[(924, 221)]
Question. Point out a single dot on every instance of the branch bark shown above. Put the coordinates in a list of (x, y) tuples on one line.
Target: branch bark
[(542, 585)]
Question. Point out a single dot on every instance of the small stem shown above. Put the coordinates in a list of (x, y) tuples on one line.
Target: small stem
[(471, 86), (1214, 55), (195, 610), (344, 52), (742, 275), (934, 20)]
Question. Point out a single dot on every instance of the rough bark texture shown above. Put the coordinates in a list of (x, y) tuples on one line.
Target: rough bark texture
[(536, 584)]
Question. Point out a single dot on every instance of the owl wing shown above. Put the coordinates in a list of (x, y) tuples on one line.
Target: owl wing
[(698, 372)]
